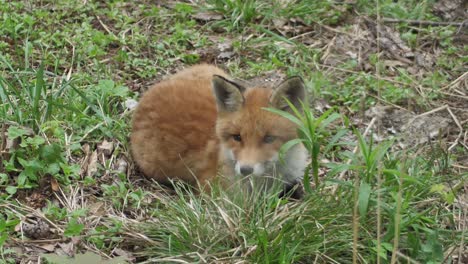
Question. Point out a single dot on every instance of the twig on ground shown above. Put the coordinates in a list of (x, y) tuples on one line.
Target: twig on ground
[(328, 48), (355, 36), (39, 241), (425, 22), (388, 103), (459, 127), (459, 79), (455, 95), (36, 213), (429, 112), (458, 166), (106, 28), (407, 258)]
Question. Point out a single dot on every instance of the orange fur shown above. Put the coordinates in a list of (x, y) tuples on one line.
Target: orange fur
[(179, 131)]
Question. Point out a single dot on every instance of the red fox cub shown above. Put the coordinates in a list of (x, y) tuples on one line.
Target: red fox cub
[(199, 122)]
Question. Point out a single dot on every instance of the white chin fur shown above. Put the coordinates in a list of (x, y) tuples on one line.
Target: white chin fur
[(259, 169), (296, 161), (237, 168)]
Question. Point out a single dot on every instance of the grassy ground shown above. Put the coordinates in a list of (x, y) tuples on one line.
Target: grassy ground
[(70, 72)]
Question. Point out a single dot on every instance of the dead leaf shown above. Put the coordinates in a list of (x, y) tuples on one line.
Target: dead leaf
[(92, 164), (125, 254), (75, 240), (97, 209), (226, 55), (131, 104), (54, 184), (18, 227), (207, 16), (415, 71), (85, 161), (106, 147), (393, 63), (288, 47), (425, 60), (48, 247), (68, 248), (225, 46), (122, 165), (279, 22)]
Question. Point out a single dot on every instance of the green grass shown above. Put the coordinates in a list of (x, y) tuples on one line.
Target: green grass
[(67, 69)]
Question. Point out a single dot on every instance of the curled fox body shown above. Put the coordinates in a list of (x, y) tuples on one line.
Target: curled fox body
[(198, 123)]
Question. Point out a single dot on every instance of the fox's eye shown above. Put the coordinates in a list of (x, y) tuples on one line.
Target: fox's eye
[(237, 137), (269, 139)]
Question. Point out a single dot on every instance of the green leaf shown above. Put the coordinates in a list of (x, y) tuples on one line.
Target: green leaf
[(449, 197), (336, 168), (51, 153), (31, 170), (73, 228), (3, 238), (363, 199), (52, 168), (38, 90), (22, 177), (438, 188), (35, 141), (383, 250), (328, 117), (78, 213), (120, 91), (14, 132), (183, 8), (334, 139), (33, 165), (3, 178), (106, 87), (11, 190), (3, 224)]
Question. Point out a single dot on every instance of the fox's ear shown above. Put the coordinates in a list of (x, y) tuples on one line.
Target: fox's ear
[(292, 89), (228, 94)]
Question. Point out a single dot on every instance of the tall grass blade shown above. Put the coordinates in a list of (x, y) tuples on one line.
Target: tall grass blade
[(363, 200), (286, 115), (38, 88)]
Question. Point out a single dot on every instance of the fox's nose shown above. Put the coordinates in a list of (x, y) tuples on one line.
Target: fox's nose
[(246, 170)]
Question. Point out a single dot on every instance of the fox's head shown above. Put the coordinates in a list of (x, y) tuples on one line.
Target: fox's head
[(251, 136)]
